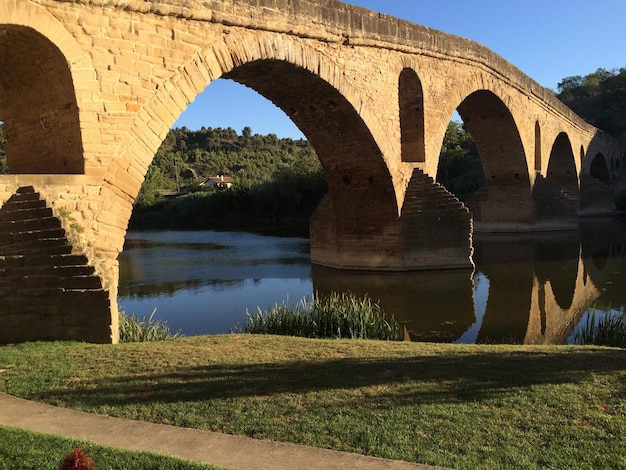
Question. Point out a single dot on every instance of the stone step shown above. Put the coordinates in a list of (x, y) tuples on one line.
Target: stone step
[(26, 190), (43, 260), (12, 204), (24, 213), (10, 261), (59, 260), (59, 247), (588, 182), (38, 281), (56, 296), (26, 236), (17, 268), (24, 197), (29, 225)]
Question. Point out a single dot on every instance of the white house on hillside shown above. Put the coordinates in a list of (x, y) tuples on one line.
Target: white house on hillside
[(219, 182)]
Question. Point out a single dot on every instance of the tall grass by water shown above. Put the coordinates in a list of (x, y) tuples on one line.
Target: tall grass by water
[(608, 329), (338, 315), (135, 330)]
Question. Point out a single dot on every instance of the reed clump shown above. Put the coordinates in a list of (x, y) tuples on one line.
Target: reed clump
[(338, 315), (608, 329), (135, 330)]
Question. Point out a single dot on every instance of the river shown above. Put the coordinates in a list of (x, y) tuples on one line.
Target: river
[(530, 289)]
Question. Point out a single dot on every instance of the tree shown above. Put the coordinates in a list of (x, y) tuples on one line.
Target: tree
[(459, 169), (599, 98)]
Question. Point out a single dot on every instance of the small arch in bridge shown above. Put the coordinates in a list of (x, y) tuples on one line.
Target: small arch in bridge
[(599, 169), (38, 105), (537, 147), (561, 166), (556, 197), (411, 103)]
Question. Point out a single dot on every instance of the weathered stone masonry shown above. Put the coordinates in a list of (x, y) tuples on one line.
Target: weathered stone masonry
[(89, 89)]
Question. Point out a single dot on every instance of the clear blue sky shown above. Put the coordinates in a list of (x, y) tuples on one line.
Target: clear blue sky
[(546, 39)]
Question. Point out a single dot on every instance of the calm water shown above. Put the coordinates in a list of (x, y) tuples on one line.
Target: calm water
[(525, 289)]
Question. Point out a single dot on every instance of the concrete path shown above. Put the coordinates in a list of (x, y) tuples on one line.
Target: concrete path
[(224, 450)]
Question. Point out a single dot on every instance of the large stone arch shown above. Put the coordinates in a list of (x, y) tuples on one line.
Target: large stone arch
[(37, 98), (505, 201), (239, 58), (320, 103), (351, 159)]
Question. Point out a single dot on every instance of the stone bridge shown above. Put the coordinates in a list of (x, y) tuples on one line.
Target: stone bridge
[(89, 89)]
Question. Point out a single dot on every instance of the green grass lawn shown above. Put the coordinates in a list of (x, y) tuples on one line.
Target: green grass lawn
[(460, 406), (21, 450)]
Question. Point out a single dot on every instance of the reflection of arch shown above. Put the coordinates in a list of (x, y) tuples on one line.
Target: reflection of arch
[(599, 169), (411, 103), (505, 198), (38, 104), (556, 261)]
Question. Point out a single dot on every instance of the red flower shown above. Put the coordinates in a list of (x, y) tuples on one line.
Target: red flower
[(78, 459)]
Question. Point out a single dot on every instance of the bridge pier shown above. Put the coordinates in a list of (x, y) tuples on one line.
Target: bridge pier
[(434, 231)]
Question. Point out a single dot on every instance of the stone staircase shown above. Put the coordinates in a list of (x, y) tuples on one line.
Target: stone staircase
[(437, 224), (42, 283), (596, 197), (553, 203), (429, 198), (432, 205)]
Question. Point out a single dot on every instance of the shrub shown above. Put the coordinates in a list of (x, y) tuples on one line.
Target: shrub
[(134, 330), (334, 316)]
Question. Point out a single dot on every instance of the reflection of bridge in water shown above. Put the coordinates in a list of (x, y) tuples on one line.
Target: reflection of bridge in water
[(530, 289)]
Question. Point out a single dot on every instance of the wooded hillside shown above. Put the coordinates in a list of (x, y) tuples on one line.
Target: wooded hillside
[(599, 98)]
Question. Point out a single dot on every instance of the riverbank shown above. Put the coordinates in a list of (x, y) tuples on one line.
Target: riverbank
[(459, 406)]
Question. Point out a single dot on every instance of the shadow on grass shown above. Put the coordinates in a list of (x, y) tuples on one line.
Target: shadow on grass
[(429, 379)]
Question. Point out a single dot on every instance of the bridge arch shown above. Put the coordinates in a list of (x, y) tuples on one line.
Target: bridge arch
[(38, 104), (352, 162), (556, 196), (505, 200), (411, 105), (562, 165), (321, 104), (38, 48), (537, 147), (599, 169)]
